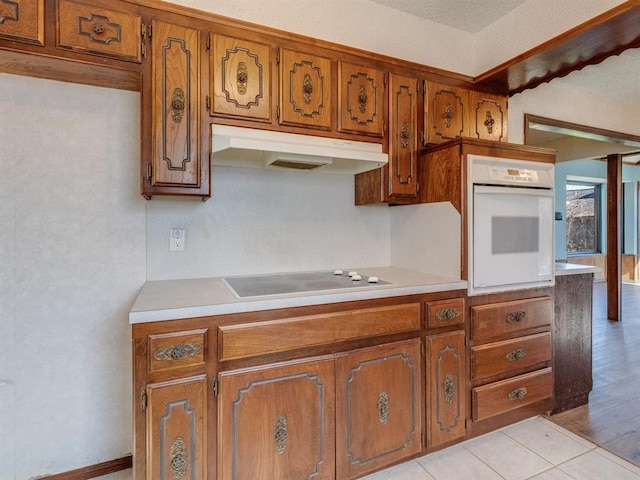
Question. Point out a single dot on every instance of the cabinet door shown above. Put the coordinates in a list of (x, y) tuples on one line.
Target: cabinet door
[(403, 144), (360, 97), (378, 407), (98, 31), (446, 388), (176, 429), (241, 78), (175, 118), (277, 422), (22, 20), (488, 116), (305, 89), (445, 112)]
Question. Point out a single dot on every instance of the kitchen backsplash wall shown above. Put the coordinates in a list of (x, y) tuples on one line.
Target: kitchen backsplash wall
[(271, 220)]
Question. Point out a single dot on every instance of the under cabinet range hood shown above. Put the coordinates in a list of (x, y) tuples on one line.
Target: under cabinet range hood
[(248, 147)]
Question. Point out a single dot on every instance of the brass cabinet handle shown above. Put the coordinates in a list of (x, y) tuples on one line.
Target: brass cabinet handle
[(447, 313), (281, 431), (449, 388), (383, 407), (515, 355), (97, 28), (517, 394), (177, 104), (516, 317), (178, 351)]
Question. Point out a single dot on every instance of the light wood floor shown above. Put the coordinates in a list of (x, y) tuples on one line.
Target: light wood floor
[(612, 417)]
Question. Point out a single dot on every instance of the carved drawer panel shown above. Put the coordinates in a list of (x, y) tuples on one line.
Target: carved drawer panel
[(502, 357), (259, 338), (22, 20), (360, 97), (445, 313), (305, 89), (488, 116), (241, 78), (500, 397), (505, 318), (171, 351), (98, 31)]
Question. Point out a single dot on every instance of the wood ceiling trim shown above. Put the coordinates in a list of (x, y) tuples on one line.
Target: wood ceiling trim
[(590, 43)]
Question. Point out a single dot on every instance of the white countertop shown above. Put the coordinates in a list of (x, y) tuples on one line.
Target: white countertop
[(575, 268), (173, 299)]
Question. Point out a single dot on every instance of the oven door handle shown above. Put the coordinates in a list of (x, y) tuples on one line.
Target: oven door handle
[(507, 190)]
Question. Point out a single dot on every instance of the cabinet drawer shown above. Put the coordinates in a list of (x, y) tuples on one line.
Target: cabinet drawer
[(445, 313), (516, 392), (502, 357), (509, 317), (170, 351), (22, 21), (98, 31), (251, 339)]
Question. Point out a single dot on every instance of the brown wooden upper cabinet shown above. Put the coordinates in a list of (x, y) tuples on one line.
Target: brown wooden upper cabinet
[(305, 90), (175, 167), (22, 21), (454, 112), (98, 31), (240, 78), (361, 99), (488, 116), (402, 180)]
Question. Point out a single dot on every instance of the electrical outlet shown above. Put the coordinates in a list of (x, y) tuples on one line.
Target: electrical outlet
[(177, 239)]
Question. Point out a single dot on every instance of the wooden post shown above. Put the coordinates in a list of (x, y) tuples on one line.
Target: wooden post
[(614, 237)]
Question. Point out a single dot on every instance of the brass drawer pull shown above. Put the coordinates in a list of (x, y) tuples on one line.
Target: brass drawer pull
[(517, 394), (178, 351), (447, 313), (515, 355), (516, 317)]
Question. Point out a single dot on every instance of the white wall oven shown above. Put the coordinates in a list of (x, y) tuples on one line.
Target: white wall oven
[(511, 221)]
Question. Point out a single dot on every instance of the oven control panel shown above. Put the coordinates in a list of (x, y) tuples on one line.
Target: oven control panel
[(513, 175)]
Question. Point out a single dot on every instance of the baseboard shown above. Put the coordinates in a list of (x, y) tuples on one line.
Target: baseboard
[(93, 471)]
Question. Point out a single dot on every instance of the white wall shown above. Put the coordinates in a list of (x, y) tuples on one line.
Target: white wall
[(72, 259)]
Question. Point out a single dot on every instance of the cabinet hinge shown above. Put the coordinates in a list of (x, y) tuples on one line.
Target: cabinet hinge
[(143, 401), (277, 58), (208, 102), (208, 44), (278, 113), (423, 139), (149, 171), (215, 387)]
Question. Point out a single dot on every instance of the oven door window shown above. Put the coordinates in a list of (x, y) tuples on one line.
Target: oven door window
[(512, 236)]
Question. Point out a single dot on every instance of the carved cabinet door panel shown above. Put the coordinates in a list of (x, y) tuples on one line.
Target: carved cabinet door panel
[(98, 31), (403, 144), (446, 388), (305, 89), (378, 407), (360, 99), (241, 78), (176, 429), (277, 421), (488, 116), (22, 20), (175, 111), (445, 112)]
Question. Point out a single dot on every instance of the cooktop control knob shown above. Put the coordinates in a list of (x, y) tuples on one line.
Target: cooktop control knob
[(356, 277), (352, 273), (373, 279), (337, 272)]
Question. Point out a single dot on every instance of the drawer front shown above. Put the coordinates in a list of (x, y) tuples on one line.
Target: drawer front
[(445, 313), (251, 339), (503, 318), (172, 351), (506, 395), (502, 357), (99, 31), (22, 20)]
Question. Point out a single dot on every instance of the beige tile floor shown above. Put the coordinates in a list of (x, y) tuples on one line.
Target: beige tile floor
[(535, 449)]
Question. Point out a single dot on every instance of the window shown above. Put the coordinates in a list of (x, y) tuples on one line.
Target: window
[(583, 218)]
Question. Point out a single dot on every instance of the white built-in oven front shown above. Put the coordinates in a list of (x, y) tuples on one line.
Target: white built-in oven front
[(511, 227)]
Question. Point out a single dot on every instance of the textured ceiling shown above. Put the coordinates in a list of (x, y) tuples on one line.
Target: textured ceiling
[(466, 15)]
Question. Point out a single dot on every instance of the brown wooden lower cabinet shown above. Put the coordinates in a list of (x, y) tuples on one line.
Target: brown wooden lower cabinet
[(277, 421), (378, 407)]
